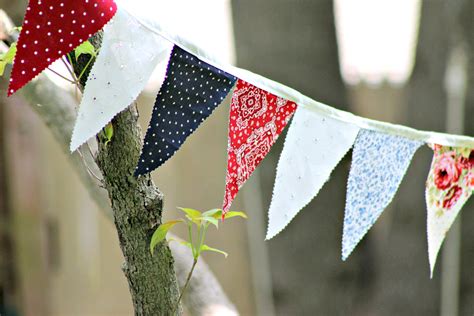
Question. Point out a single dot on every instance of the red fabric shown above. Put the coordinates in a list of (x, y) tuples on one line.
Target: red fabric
[(256, 119), (53, 28)]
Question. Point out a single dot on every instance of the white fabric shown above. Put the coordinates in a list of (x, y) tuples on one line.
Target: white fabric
[(128, 56), (313, 147), (439, 221), (169, 31), (438, 227)]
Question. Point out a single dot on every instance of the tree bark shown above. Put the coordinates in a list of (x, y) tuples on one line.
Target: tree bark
[(137, 208)]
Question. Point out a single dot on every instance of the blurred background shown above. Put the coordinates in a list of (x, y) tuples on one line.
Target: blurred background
[(403, 61)]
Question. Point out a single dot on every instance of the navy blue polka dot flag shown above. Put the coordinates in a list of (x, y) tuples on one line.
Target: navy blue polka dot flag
[(191, 91)]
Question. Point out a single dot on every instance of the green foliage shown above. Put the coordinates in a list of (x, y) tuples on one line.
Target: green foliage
[(217, 213), (195, 220), (85, 48), (192, 215), (7, 58), (160, 233), (108, 132), (207, 248)]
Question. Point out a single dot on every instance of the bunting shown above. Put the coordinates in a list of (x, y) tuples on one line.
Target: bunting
[(53, 28), (118, 76), (256, 119), (313, 147), (379, 162), (196, 83), (450, 184), (191, 91)]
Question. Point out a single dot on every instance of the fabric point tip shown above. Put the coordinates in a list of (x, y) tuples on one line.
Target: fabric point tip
[(76, 142), (137, 173), (271, 233), (269, 236), (432, 267), (345, 255), (11, 91), (73, 146)]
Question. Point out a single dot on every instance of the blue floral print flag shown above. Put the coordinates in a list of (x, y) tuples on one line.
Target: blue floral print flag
[(191, 91), (379, 162)]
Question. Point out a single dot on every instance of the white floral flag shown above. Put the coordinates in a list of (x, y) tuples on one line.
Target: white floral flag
[(450, 184), (128, 56), (313, 147), (379, 162)]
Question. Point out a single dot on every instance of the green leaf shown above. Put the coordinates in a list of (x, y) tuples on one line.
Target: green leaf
[(160, 233), (10, 54), (7, 58), (85, 48), (235, 214), (207, 248), (109, 132), (2, 67), (182, 242), (211, 220), (192, 214), (216, 213)]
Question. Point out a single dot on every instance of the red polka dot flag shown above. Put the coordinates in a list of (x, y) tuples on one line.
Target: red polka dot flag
[(53, 28), (256, 119)]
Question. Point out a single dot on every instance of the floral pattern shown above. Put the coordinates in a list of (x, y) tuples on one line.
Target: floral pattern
[(379, 162), (450, 184)]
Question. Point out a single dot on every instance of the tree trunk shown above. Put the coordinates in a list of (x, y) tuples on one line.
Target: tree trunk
[(137, 206)]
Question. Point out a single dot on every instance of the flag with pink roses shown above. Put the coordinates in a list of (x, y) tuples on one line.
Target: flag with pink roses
[(450, 184)]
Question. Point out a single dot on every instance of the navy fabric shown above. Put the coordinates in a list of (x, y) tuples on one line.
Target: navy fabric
[(191, 91)]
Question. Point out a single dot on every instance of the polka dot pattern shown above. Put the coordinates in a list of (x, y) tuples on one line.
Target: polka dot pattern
[(256, 119), (51, 29), (191, 91)]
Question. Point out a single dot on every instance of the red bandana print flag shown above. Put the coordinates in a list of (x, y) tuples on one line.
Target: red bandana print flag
[(53, 28), (256, 119)]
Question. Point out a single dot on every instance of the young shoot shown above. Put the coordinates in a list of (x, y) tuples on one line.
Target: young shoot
[(197, 224)]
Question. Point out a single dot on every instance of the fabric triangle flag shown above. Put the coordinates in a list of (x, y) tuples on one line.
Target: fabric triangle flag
[(256, 119), (191, 91), (313, 147), (128, 56), (53, 28), (379, 162), (450, 184)]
